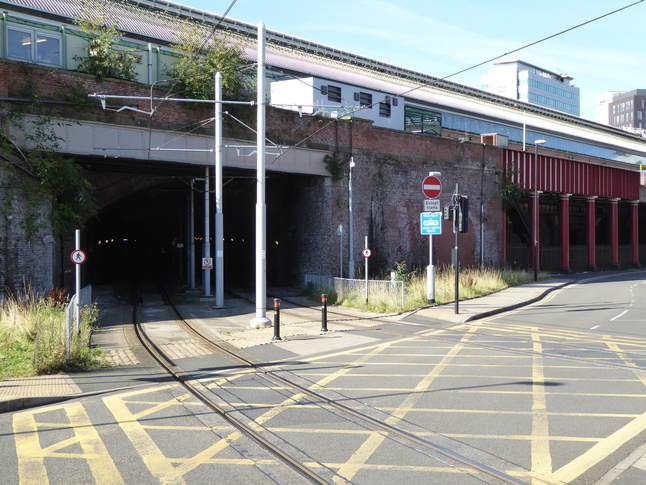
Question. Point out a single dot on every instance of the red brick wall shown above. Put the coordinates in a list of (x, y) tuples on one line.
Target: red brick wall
[(390, 168)]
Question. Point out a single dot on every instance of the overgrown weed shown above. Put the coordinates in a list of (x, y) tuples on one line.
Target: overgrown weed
[(33, 336), (472, 282)]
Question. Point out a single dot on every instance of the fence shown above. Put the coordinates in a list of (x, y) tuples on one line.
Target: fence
[(70, 314), (382, 291)]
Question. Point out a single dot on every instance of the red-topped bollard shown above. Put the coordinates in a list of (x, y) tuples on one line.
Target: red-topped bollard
[(324, 313), (276, 319)]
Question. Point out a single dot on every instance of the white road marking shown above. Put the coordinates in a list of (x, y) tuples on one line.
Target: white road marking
[(622, 313)]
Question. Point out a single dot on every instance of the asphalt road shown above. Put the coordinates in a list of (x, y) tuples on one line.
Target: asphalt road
[(613, 304), (550, 393)]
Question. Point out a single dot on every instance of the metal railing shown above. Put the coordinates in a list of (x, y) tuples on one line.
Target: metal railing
[(383, 291), (70, 315)]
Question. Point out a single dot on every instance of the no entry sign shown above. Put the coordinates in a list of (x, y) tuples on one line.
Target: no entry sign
[(432, 187)]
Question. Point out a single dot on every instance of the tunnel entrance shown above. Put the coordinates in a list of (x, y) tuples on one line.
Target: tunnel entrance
[(144, 234)]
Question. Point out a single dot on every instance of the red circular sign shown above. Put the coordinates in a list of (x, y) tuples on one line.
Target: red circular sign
[(366, 253), (432, 187), (78, 256)]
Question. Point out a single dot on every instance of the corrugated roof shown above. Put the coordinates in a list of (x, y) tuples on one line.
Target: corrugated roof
[(159, 19)]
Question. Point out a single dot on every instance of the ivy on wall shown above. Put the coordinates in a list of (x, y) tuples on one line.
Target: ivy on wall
[(59, 179), (335, 166)]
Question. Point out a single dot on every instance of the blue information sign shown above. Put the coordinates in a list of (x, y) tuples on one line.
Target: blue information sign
[(431, 223)]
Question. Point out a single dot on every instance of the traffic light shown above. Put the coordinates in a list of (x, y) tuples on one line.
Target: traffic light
[(463, 223)]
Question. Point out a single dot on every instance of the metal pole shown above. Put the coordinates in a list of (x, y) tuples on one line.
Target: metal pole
[(430, 273), (456, 229), (77, 307), (535, 215), (339, 231), (261, 319), (206, 245), (366, 246), (324, 313), (219, 218), (277, 319), (191, 238), (350, 224)]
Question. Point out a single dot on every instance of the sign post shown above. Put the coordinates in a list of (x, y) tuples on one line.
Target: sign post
[(339, 232), (431, 223), (78, 257), (366, 254)]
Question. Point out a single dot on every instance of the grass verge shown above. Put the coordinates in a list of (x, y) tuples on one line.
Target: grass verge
[(33, 337), (473, 282)]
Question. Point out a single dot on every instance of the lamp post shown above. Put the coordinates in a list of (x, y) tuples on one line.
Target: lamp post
[(535, 217), (350, 224)]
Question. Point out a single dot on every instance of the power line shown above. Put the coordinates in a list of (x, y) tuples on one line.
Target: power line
[(478, 65), (530, 44)]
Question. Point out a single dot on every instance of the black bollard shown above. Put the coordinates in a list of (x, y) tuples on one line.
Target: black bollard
[(277, 319), (324, 313)]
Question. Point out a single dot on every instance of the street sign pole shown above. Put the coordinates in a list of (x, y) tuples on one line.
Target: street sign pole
[(77, 309), (432, 188), (366, 258), (430, 273), (456, 218), (339, 232)]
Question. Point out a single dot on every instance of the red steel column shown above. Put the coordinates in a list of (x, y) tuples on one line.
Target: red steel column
[(591, 239), (564, 217), (614, 233), (504, 238), (634, 232)]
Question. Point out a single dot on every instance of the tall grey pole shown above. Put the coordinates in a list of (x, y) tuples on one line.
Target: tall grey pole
[(206, 246), (456, 228), (366, 258), (77, 308), (191, 237), (430, 273), (350, 225), (219, 226), (535, 212), (339, 232), (261, 319)]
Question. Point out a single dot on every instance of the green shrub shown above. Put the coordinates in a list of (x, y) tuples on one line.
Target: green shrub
[(33, 337)]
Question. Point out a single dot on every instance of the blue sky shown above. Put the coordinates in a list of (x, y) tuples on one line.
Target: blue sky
[(443, 37)]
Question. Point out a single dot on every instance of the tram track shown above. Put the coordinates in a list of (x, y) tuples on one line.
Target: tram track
[(208, 396)]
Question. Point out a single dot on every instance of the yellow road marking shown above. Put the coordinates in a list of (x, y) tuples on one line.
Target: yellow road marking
[(31, 463), (358, 460), (601, 450), (540, 446), (149, 452)]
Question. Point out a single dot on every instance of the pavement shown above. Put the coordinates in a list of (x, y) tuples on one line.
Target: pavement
[(232, 324)]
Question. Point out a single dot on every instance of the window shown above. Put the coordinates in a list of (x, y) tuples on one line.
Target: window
[(334, 93), (421, 120), (365, 99), (384, 109), (33, 46)]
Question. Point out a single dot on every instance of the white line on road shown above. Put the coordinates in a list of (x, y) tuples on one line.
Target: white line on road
[(596, 326), (622, 313)]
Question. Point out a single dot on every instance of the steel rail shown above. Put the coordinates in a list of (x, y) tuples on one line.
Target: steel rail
[(504, 477)]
